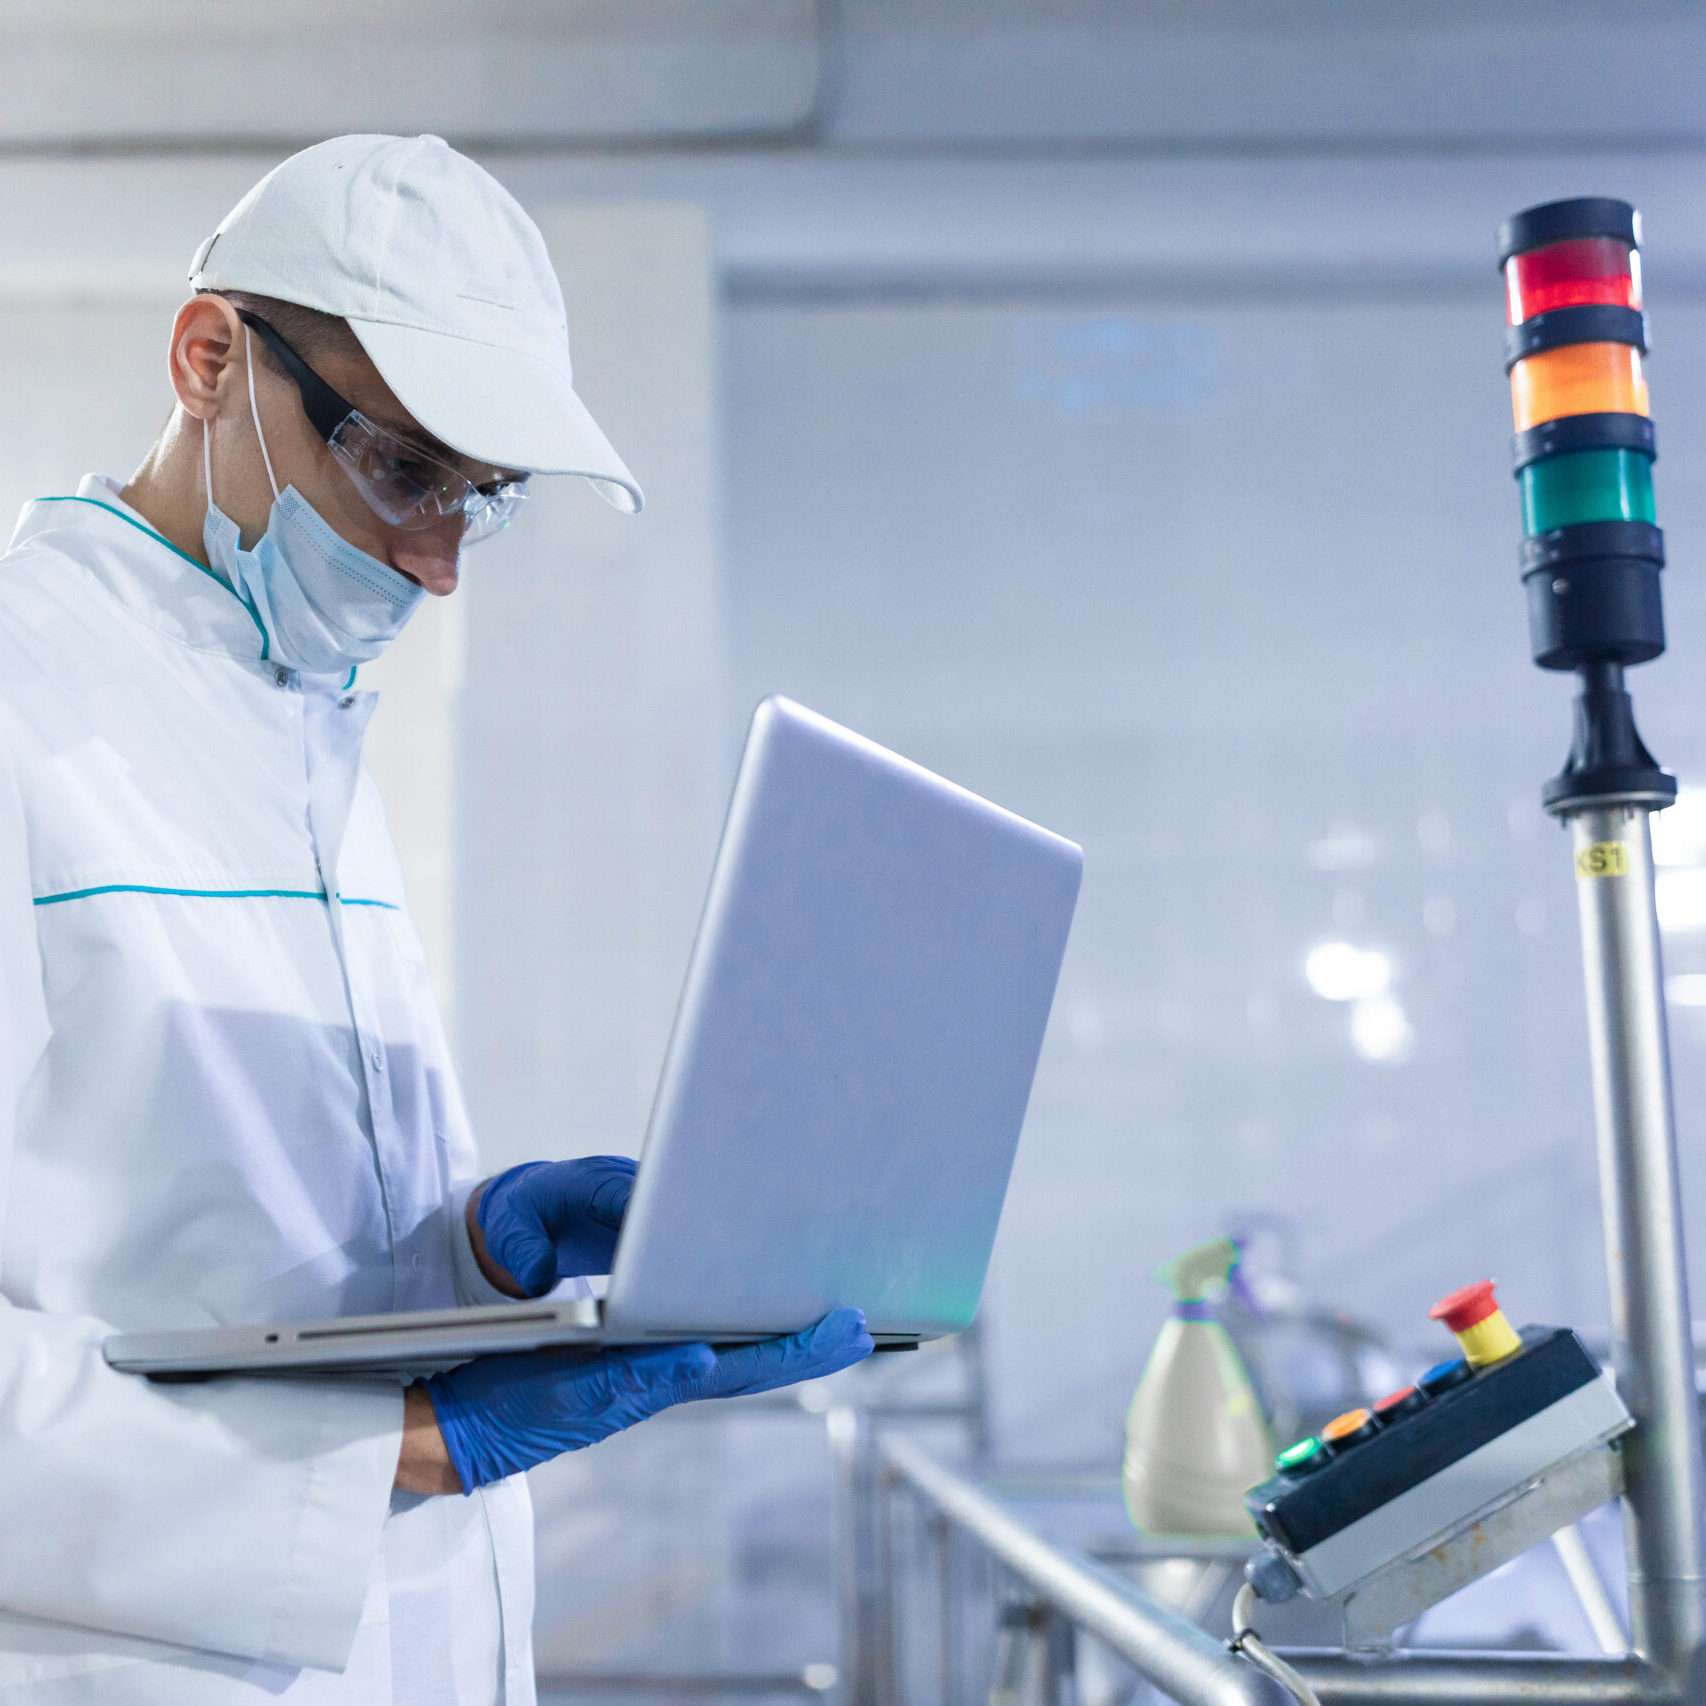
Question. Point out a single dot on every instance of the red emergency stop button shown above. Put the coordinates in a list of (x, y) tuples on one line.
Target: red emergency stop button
[(1463, 1309), (1473, 1314)]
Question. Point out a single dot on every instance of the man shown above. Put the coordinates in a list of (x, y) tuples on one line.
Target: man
[(224, 1089)]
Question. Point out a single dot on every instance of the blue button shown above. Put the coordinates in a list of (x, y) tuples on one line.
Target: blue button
[(1445, 1375)]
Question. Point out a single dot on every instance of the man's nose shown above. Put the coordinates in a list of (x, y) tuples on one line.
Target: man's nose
[(430, 556)]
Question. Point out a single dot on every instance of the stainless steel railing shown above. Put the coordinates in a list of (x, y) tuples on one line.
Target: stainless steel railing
[(1065, 1592)]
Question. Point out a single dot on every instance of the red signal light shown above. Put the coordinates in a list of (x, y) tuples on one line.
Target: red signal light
[(1580, 272)]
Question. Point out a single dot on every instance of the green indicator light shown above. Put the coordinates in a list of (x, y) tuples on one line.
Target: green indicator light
[(1586, 485), (1298, 1456)]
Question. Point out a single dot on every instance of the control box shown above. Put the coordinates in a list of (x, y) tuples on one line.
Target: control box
[(1383, 1484)]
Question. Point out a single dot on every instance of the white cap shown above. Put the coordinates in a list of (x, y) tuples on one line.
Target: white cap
[(446, 282)]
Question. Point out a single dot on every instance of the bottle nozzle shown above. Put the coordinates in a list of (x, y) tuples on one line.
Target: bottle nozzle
[(1191, 1274)]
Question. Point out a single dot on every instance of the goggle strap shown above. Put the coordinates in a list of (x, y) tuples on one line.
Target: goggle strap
[(325, 408)]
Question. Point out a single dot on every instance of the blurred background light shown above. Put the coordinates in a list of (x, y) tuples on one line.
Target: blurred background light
[(1341, 971), (1679, 831), (1682, 899), (1381, 1031)]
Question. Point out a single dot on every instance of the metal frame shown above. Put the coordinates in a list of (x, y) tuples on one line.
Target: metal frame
[(1652, 1337), (1652, 1345), (1062, 1591)]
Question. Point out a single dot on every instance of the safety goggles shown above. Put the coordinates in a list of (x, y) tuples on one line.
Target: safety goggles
[(403, 484)]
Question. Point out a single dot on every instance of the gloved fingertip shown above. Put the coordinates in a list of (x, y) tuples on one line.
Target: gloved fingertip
[(854, 1342), (609, 1202), (695, 1373), (701, 1359), (680, 1352), (689, 1364), (839, 1326)]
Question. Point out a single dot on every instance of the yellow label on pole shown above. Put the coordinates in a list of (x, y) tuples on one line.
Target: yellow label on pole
[(1603, 859)]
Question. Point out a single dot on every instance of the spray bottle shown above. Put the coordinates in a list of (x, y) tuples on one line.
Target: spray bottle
[(1196, 1437)]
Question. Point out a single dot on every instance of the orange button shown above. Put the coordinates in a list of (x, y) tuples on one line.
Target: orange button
[(1342, 1426)]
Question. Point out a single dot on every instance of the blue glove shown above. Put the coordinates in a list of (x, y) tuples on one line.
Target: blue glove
[(502, 1414), (546, 1221)]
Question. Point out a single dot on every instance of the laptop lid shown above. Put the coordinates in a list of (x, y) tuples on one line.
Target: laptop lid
[(842, 1096)]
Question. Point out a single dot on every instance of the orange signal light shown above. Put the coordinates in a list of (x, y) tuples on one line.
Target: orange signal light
[(1578, 379)]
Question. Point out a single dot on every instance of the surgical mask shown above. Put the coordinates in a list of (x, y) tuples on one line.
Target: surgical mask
[(325, 605)]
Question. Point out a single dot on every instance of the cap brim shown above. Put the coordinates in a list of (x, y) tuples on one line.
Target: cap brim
[(498, 406)]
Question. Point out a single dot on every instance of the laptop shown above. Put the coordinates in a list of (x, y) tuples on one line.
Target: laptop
[(841, 1099)]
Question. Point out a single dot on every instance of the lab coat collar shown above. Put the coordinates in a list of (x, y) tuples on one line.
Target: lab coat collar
[(156, 582)]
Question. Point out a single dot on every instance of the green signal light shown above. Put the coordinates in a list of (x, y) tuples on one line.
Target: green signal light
[(1586, 485)]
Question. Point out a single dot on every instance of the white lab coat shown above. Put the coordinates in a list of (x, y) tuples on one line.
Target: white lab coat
[(222, 1099)]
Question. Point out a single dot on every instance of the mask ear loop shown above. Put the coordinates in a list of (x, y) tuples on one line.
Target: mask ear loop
[(255, 414)]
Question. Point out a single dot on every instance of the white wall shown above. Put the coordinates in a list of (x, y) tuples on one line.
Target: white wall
[(83, 390), (590, 787)]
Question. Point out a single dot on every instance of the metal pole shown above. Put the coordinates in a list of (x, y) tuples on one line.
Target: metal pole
[(1479, 1679), (1590, 1591), (1059, 1660), (559, 1688), (975, 1353), (857, 1571), (947, 1611), (887, 1624), (1012, 1681), (1651, 1322)]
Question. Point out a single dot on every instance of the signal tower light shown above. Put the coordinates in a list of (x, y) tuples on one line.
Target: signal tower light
[(1575, 350), (1592, 558)]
